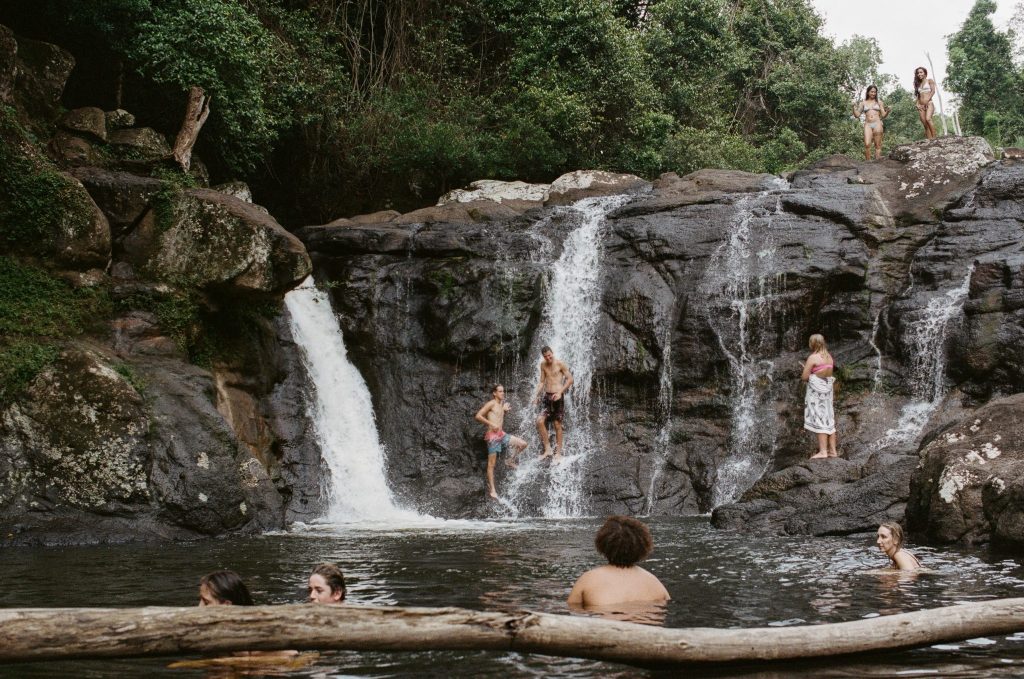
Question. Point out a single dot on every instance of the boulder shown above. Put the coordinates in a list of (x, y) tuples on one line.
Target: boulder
[(379, 217), (139, 143), (42, 71), (118, 119), (579, 184), (968, 485), (123, 197), (83, 238), (472, 212), (87, 121), (101, 450), (499, 192), (207, 239), (71, 150)]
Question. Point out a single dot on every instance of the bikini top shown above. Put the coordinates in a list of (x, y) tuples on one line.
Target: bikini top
[(872, 107), (821, 366), (924, 87)]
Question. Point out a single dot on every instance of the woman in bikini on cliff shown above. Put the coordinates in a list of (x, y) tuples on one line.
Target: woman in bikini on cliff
[(873, 111), (819, 415), (890, 541), (924, 90)]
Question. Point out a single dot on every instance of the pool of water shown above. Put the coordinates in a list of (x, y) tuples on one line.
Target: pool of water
[(716, 578)]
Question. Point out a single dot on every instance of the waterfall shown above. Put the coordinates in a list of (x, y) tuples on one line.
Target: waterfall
[(569, 325), (925, 341), (661, 443), (740, 283), (342, 414)]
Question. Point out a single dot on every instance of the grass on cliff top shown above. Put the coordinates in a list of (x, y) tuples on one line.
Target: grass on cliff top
[(37, 310)]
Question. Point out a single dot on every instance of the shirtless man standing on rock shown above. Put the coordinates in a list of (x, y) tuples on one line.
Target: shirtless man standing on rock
[(555, 380), (492, 416)]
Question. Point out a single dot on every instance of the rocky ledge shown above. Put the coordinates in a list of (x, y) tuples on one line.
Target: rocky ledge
[(710, 285)]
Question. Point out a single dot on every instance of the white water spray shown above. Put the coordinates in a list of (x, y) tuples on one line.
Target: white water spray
[(342, 414), (661, 443), (569, 325), (925, 340), (740, 285)]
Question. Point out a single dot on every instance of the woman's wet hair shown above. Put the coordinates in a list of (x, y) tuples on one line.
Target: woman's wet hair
[(227, 586), (624, 541), (868, 92), (332, 575), (896, 531), (817, 343), (917, 82), (496, 387)]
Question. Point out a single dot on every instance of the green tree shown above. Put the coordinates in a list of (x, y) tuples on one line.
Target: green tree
[(982, 73)]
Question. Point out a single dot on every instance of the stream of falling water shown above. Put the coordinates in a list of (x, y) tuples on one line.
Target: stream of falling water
[(341, 411), (925, 341), (661, 443), (571, 314), (740, 284)]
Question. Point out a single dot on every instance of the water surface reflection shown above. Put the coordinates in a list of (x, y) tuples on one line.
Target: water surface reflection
[(716, 578)]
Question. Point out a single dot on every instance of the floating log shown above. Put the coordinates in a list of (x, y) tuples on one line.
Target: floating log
[(61, 633)]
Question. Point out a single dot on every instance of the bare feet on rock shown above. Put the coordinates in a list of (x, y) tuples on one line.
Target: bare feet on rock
[(819, 456), (493, 494)]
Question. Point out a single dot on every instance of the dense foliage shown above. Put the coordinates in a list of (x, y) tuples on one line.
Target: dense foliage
[(338, 106), (982, 72)]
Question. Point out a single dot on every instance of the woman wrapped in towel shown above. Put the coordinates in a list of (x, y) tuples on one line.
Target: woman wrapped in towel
[(819, 415)]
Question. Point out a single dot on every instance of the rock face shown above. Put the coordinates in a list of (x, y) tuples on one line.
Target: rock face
[(178, 411), (710, 286), (969, 484)]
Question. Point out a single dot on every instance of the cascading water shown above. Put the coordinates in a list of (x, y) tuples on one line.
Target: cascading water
[(342, 414), (925, 339), (661, 443), (570, 320), (740, 284)]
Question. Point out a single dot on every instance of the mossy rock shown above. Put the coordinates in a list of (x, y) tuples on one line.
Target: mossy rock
[(204, 239)]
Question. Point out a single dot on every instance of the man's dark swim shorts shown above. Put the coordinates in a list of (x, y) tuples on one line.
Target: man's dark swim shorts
[(554, 410)]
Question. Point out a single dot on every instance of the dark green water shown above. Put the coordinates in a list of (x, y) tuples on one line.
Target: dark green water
[(717, 579)]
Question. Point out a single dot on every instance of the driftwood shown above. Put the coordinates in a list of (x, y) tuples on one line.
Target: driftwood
[(196, 113), (49, 634)]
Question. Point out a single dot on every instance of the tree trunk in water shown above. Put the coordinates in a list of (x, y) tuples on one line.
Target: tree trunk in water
[(49, 634), (195, 115)]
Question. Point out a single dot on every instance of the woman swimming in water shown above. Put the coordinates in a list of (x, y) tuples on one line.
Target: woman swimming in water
[(819, 415), (890, 541), (924, 90), (223, 588), (873, 111)]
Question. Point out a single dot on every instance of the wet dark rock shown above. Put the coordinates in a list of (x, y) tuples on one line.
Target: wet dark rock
[(967, 486), (139, 143), (8, 63), (433, 313)]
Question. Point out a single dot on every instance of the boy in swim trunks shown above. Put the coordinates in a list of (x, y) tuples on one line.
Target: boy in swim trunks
[(492, 416), (555, 380)]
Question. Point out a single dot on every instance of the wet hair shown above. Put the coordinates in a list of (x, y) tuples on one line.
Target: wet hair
[(896, 531), (917, 83), (333, 576), (545, 349), (624, 541), (868, 91), (227, 586), (497, 385), (817, 343)]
